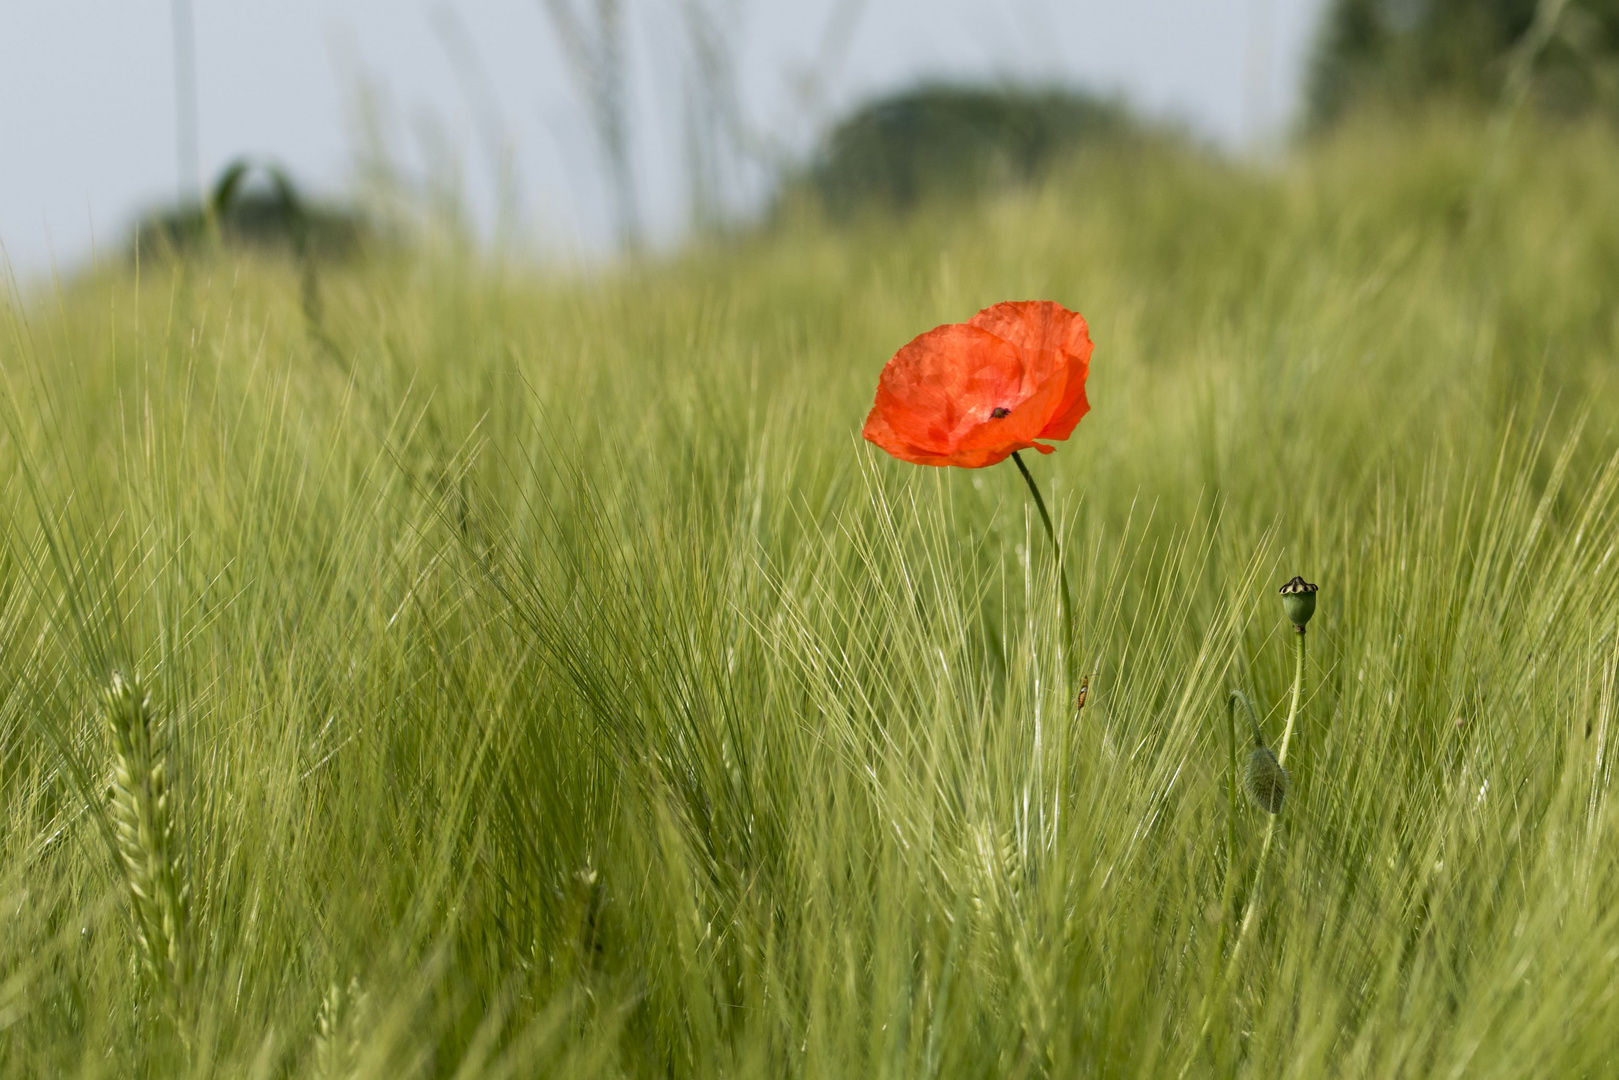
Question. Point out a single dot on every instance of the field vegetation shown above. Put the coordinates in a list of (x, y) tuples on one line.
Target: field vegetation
[(489, 672)]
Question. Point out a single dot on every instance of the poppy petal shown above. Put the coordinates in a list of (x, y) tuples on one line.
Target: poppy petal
[(944, 383), (971, 394), (1070, 412), (1022, 424), (1042, 329), (1051, 339)]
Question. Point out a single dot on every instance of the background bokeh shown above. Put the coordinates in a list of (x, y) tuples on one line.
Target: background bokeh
[(469, 99)]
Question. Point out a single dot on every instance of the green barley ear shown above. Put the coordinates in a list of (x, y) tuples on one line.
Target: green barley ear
[(337, 1030), (143, 819)]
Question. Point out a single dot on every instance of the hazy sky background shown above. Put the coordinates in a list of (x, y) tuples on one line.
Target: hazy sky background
[(87, 93)]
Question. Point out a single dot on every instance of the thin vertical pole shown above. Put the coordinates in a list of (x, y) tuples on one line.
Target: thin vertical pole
[(187, 161)]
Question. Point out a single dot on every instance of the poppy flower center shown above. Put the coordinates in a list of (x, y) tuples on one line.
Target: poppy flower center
[(997, 412)]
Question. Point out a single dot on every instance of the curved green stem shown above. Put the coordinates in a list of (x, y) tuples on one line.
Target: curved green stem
[(1229, 885), (1231, 801), (1253, 717), (1231, 756), (1071, 659)]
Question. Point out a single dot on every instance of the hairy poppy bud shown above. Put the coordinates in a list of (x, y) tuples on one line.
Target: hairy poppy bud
[(1267, 782), (1298, 601)]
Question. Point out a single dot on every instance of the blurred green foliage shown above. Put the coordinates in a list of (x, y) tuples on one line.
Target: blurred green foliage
[(954, 142), (258, 205), (1394, 52)]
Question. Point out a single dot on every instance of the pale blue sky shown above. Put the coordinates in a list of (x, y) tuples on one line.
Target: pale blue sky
[(87, 104)]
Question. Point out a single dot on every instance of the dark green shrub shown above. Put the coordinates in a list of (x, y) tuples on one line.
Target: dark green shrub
[(956, 142)]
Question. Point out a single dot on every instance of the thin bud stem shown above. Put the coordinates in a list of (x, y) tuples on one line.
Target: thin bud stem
[(1298, 690)]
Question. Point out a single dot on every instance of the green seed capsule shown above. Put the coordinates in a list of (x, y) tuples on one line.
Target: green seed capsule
[(1298, 601)]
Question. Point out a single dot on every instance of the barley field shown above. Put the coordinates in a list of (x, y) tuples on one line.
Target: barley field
[(486, 671)]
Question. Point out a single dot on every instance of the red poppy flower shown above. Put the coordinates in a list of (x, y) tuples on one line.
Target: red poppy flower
[(969, 394)]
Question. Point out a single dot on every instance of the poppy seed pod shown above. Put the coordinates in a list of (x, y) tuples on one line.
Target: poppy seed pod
[(1298, 601)]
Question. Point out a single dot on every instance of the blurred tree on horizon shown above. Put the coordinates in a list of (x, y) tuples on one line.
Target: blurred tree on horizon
[(961, 142), (1392, 53)]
